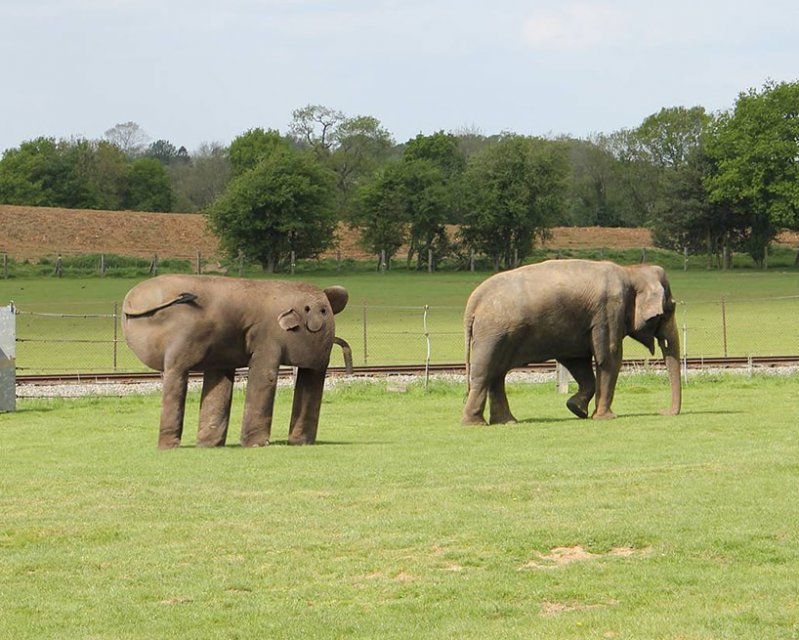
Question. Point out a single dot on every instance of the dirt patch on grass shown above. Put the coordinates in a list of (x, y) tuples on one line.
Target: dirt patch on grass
[(561, 556)]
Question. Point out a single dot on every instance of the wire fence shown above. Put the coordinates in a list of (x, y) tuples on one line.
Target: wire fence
[(89, 338)]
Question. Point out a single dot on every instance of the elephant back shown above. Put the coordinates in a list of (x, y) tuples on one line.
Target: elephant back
[(155, 294)]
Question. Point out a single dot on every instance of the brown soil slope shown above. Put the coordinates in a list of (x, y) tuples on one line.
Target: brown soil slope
[(30, 232)]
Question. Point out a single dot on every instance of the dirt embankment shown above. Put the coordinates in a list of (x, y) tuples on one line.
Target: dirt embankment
[(31, 232)]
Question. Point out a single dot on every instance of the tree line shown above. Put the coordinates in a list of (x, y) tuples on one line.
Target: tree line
[(711, 183)]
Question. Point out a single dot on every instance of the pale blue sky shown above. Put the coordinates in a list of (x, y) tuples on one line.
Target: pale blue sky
[(194, 71)]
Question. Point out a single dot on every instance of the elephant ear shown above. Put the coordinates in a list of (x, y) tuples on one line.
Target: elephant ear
[(289, 320), (338, 297), (649, 303)]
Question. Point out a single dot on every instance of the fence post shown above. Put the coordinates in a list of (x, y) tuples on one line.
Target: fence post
[(685, 258), (562, 377), (365, 351), (8, 359), (471, 260), (102, 265), (154, 265), (199, 267), (427, 340), (241, 262), (59, 270), (5, 266), (429, 261), (116, 333), (724, 324), (293, 262), (382, 261)]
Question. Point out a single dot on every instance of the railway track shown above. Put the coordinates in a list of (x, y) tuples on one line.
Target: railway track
[(734, 362)]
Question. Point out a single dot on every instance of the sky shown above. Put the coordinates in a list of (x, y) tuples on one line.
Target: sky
[(205, 71)]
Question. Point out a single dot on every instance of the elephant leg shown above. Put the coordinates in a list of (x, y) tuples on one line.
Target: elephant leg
[(607, 372), (582, 371), (259, 403), (499, 409), (173, 405), (476, 400), (215, 402), (308, 390)]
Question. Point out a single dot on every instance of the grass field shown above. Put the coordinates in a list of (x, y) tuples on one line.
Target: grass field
[(388, 309), (402, 524)]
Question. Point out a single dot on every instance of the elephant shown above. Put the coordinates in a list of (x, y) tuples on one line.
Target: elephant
[(214, 324), (576, 312)]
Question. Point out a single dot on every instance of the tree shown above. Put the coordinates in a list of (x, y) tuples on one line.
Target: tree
[(514, 191), (361, 146), (198, 180), (379, 213), (149, 187), (315, 127), (248, 149), (129, 137), (164, 151), (596, 192), (284, 203), (29, 174), (755, 153)]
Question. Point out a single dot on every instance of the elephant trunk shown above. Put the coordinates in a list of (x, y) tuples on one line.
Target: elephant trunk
[(669, 341)]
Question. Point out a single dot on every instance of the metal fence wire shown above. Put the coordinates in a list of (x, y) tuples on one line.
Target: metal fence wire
[(90, 339)]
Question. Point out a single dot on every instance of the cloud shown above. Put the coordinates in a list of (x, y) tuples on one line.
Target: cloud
[(572, 27)]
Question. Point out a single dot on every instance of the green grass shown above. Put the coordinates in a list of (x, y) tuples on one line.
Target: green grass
[(402, 524), (759, 308)]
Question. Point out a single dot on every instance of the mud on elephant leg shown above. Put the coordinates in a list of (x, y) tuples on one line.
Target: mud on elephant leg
[(582, 371), (173, 406), (215, 402), (307, 403), (499, 409)]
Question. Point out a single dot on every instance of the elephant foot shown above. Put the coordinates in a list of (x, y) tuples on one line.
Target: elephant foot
[(250, 444), (504, 420), (605, 415), (577, 408), (468, 421), (168, 443), (207, 444), (299, 441)]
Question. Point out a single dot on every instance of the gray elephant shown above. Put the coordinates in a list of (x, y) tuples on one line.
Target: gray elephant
[(180, 323), (576, 312)]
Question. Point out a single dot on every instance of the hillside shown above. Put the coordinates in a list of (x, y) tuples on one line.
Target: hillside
[(31, 232)]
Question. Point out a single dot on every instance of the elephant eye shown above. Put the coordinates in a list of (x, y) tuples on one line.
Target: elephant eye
[(324, 311), (307, 308)]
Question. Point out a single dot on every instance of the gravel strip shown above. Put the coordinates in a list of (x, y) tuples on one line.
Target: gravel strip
[(391, 382)]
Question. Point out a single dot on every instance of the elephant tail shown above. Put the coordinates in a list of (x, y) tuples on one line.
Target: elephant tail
[(133, 311), (468, 326), (347, 351)]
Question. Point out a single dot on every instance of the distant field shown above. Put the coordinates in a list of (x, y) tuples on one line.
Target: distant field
[(760, 309), (402, 525)]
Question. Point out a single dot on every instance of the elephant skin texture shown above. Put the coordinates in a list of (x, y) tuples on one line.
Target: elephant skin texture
[(181, 323), (576, 312)]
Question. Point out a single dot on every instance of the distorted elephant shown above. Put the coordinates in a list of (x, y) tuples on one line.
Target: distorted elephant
[(576, 312), (214, 324)]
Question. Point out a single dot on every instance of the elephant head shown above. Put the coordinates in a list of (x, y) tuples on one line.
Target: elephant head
[(653, 317), (314, 313)]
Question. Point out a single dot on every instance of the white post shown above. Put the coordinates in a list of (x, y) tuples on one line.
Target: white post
[(8, 359), (563, 377)]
